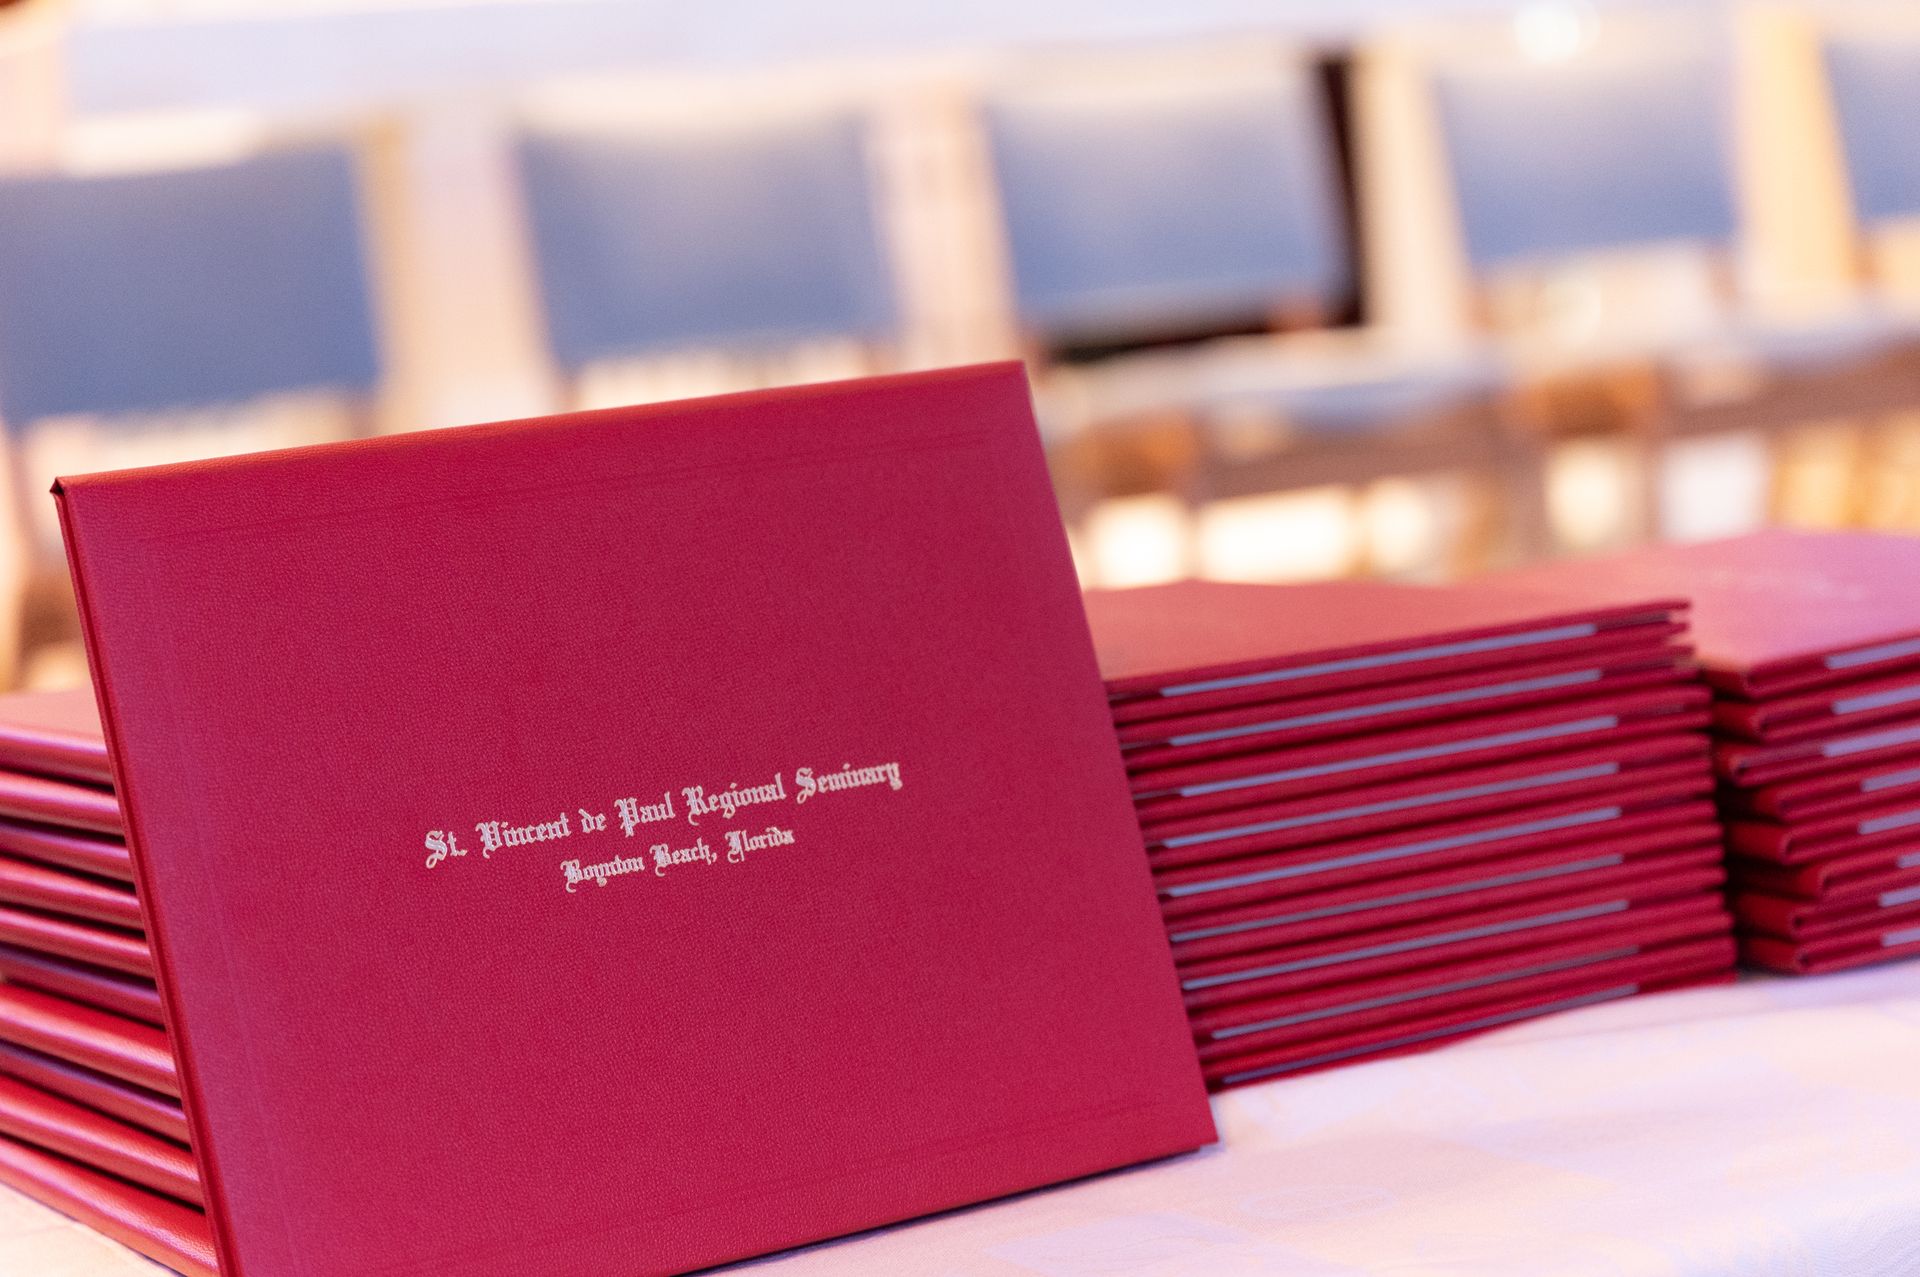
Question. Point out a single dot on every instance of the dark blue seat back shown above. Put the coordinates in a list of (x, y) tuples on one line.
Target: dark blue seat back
[(168, 290), (1129, 210), (739, 240)]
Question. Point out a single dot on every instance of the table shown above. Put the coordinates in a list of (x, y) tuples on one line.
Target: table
[(1769, 1129)]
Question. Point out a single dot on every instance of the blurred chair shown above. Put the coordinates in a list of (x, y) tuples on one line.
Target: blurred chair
[(140, 300), (1135, 208), (1615, 148), (151, 292), (741, 243), (1875, 82), (1872, 78), (1140, 205), (1552, 160)]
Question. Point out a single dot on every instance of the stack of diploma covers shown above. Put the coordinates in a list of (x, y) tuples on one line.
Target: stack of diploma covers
[(90, 1117), (1382, 817), (1811, 642), (575, 847)]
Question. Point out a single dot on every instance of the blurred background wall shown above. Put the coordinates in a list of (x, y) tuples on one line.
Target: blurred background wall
[(1395, 287)]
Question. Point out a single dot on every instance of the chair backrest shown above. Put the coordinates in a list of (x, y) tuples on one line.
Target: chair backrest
[(185, 289), (1135, 206), (1598, 152), (731, 239), (1876, 97)]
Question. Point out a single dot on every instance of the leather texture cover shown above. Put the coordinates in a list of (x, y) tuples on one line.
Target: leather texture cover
[(1459, 892), (1236, 1029), (102, 857), (1423, 1033), (1197, 889), (1366, 759), (99, 1040), (1833, 792), (1822, 879), (47, 1121), (1430, 802), (69, 895), (1745, 764), (1863, 948), (163, 1230), (1414, 799), (1775, 612), (59, 802), (100, 946), (1634, 642), (1834, 921), (1451, 692), (1237, 730), (1631, 840), (1578, 915), (54, 734), (1831, 711), (1171, 641), (1464, 993), (1889, 902), (796, 888), (76, 981), (148, 1110), (1889, 825)]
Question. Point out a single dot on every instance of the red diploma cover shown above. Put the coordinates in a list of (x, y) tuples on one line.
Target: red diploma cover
[(1192, 643), (1775, 613), (630, 842), (70, 895), (95, 986), (59, 802), (97, 1040), (148, 1110), (121, 951), (53, 734), (155, 1226), (88, 853), (61, 1126)]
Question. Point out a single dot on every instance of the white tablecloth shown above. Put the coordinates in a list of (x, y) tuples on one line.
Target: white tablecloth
[(1771, 1129)]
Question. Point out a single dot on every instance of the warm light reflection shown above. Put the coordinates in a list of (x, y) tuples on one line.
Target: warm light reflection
[(1554, 32), (1715, 487), (147, 143), (1137, 541), (1890, 496), (1816, 483), (1589, 494), (1402, 524), (1291, 537)]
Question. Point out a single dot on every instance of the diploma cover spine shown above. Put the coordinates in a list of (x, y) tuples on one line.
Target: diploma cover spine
[(153, 925)]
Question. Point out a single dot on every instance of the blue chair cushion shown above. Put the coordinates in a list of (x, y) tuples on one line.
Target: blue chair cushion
[(736, 240), (1565, 159), (1129, 211), (155, 291), (1876, 96)]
